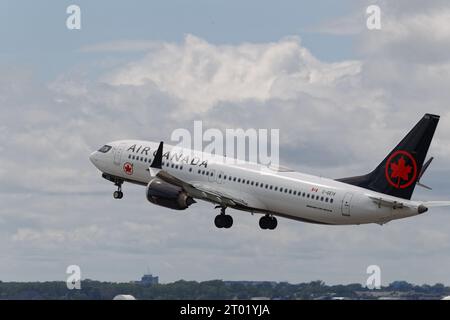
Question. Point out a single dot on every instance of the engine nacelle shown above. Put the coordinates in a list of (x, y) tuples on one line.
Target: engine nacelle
[(167, 195)]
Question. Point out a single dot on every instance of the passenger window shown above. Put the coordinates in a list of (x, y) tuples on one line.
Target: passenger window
[(331, 200), (307, 196), (239, 180)]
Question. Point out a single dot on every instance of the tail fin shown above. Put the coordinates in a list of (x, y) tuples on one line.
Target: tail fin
[(398, 173)]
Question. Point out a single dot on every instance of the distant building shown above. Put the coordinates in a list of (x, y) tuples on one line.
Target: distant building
[(148, 280), (124, 297)]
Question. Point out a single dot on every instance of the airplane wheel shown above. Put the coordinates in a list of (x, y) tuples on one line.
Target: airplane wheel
[(267, 222), (263, 223), (273, 223), (228, 221), (118, 194), (219, 221), (223, 221)]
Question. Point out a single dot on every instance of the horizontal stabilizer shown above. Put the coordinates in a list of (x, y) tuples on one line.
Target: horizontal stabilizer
[(436, 204)]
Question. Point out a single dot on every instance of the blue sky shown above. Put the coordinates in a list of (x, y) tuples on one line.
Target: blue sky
[(36, 35)]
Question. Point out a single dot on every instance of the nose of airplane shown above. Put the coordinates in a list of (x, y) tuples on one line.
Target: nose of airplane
[(93, 157)]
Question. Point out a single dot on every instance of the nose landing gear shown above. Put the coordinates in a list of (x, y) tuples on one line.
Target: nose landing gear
[(118, 194), (223, 220)]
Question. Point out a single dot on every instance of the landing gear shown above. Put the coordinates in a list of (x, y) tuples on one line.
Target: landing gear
[(268, 222), (223, 220), (118, 194)]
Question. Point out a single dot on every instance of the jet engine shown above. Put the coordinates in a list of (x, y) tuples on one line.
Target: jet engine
[(167, 195)]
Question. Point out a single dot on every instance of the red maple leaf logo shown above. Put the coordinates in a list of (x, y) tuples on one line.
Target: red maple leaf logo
[(400, 170), (404, 169), (128, 168)]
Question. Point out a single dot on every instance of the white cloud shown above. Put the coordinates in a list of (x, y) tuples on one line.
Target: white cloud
[(201, 74), (417, 37)]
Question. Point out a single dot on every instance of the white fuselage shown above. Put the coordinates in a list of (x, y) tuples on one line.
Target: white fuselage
[(283, 193)]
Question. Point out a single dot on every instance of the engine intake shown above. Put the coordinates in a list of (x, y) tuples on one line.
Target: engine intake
[(167, 195)]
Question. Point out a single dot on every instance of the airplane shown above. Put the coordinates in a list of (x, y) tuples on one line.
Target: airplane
[(176, 178)]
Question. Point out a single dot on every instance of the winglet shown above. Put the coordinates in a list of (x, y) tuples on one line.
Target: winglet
[(157, 161)]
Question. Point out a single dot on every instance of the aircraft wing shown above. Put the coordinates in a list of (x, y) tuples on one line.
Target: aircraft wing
[(216, 195), (225, 197), (203, 191)]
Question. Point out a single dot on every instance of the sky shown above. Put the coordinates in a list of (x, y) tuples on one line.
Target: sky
[(341, 95)]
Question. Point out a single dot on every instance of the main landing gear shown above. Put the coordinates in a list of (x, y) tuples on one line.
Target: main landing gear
[(268, 222), (118, 194), (223, 220)]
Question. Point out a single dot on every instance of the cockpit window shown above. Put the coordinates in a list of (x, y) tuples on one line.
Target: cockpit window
[(104, 149)]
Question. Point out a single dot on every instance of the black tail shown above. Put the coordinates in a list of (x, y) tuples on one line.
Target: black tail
[(398, 173)]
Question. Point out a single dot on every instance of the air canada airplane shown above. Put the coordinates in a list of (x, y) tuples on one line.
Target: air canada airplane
[(175, 178)]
